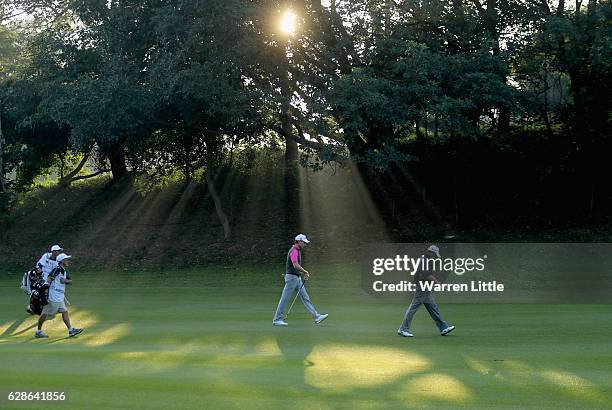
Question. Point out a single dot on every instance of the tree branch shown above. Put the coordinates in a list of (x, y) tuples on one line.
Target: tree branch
[(300, 139), (66, 180), (102, 171), (346, 41), (478, 5)]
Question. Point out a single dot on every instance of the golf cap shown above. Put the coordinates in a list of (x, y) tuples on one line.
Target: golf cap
[(434, 249), (56, 248), (61, 257), (302, 237)]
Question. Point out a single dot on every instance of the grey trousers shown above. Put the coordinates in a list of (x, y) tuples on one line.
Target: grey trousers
[(430, 305), (292, 284)]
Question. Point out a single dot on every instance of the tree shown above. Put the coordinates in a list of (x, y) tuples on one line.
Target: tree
[(579, 47), (200, 86), (8, 51)]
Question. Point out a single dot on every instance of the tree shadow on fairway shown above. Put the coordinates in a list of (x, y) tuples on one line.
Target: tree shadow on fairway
[(102, 330), (9, 331), (31, 327), (478, 366)]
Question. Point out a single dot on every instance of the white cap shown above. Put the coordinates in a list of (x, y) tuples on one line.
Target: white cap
[(434, 249), (61, 257), (55, 248), (302, 237)]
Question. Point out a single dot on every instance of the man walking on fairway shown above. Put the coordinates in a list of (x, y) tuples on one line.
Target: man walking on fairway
[(57, 279), (424, 297), (294, 283)]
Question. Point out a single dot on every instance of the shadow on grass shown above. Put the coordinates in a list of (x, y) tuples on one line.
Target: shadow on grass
[(11, 328), (24, 330), (219, 340), (59, 340), (295, 349)]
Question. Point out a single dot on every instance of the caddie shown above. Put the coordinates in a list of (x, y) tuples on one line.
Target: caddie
[(48, 261), (57, 280)]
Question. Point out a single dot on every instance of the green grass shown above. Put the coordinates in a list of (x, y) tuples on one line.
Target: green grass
[(203, 339)]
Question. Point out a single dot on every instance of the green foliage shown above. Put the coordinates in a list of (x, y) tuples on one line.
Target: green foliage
[(8, 51), (183, 87), (384, 102), (5, 202)]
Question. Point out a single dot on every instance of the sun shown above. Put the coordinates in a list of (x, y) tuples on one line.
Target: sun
[(288, 22)]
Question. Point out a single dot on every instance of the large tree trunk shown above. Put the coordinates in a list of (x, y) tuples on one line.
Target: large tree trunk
[(490, 16), (74, 174), (291, 146), (561, 8), (503, 124), (291, 200), (65, 180), (116, 157), (578, 94)]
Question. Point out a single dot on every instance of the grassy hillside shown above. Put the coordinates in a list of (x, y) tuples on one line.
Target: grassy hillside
[(129, 226), (122, 226)]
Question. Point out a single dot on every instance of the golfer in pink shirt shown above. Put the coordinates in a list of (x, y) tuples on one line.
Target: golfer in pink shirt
[(294, 284)]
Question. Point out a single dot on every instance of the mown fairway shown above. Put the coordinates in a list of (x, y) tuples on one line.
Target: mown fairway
[(176, 341)]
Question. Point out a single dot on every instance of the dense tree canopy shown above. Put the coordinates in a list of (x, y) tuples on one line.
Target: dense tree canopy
[(151, 87)]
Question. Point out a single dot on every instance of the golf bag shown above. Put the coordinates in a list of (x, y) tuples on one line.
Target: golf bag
[(28, 280), (38, 297)]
